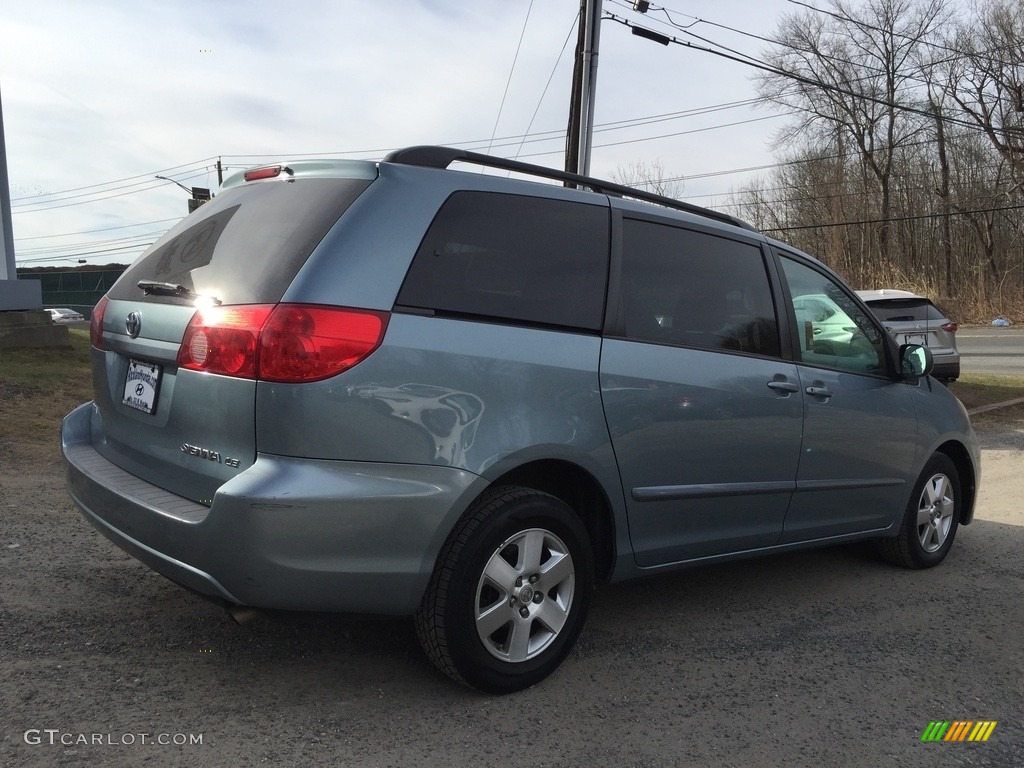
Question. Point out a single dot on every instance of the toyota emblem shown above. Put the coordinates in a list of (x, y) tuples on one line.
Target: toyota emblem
[(133, 324)]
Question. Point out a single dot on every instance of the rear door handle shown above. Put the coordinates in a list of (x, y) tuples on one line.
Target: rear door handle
[(781, 385)]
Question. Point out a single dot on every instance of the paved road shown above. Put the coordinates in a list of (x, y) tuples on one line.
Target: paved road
[(990, 350), (819, 658)]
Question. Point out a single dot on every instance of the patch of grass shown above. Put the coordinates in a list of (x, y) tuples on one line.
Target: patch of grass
[(37, 389), (977, 391), (42, 368)]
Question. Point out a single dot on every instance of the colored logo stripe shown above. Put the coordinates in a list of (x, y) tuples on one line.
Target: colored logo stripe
[(958, 730), (982, 730), (935, 731)]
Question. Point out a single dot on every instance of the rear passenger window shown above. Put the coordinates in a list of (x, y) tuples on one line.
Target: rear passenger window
[(685, 287), (510, 257)]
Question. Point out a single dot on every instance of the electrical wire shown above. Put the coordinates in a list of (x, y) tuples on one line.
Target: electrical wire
[(894, 33), (893, 219), (818, 83), (163, 172), (547, 85), (511, 71), (534, 138), (92, 231)]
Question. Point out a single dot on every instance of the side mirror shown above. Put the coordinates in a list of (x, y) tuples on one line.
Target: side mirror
[(915, 361)]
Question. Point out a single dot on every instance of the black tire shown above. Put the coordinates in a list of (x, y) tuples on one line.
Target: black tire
[(931, 518), (510, 591)]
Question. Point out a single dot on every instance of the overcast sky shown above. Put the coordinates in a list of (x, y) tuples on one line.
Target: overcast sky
[(100, 96)]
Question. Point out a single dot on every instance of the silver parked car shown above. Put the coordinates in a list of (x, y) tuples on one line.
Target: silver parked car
[(914, 319), (65, 316), (401, 389)]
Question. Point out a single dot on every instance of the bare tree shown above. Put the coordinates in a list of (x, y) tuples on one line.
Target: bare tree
[(649, 175), (988, 80), (905, 166), (855, 65)]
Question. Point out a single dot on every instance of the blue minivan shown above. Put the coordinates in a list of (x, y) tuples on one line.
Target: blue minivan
[(401, 388)]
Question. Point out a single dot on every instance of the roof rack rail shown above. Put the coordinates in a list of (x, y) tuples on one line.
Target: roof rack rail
[(441, 157)]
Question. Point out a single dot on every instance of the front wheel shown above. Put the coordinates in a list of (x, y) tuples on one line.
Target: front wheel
[(510, 592), (931, 519)]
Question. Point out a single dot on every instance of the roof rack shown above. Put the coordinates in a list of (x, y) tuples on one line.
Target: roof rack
[(442, 157)]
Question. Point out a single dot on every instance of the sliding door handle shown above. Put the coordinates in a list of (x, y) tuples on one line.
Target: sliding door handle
[(783, 386)]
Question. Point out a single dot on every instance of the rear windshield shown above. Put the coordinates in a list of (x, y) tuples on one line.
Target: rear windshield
[(900, 310), (247, 244)]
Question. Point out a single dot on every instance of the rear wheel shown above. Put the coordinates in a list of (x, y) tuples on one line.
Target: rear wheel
[(931, 519), (510, 592)]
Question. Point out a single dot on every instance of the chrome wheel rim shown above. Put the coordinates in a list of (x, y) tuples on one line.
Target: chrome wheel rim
[(935, 513), (524, 595)]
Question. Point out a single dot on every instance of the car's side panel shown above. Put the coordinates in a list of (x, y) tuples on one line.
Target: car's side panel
[(944, 425), (446, 392), (857, 463), (707, 451)]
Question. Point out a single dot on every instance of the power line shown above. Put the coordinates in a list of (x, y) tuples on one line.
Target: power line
[(79, 255), (511, 71), (811, 81), (145, 176), (894, 219), (143, 182), (146, 186), (89, 244), (893, 32), (91, 231), (547, 85), (685, 29)]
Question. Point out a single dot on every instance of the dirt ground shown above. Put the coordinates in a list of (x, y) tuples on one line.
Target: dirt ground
[(824, 658)]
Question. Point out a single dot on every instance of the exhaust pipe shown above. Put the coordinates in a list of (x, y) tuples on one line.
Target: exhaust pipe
[(243, 614)]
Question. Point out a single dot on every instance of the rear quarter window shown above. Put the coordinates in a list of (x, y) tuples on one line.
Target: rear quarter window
[(247, 244), (514, 258)]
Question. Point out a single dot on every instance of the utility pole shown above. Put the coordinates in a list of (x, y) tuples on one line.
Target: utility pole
[(580, 135), (7, 268), (15, 294), (220, 173)]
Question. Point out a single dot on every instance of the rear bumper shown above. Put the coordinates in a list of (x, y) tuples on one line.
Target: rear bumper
[(287, 533), (946, 362), (946, 368)]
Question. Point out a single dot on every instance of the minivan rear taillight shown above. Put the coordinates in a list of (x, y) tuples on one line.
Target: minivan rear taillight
[(303, 343), (96, 323), (224, 340), (951, 327), (283, 342)]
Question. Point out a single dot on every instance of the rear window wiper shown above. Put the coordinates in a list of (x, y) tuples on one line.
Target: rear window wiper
[(155, 288)]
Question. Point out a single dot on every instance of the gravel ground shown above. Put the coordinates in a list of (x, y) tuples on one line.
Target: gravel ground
[(825, 658)]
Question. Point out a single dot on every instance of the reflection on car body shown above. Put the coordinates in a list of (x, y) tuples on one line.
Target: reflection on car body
[(448, 416)]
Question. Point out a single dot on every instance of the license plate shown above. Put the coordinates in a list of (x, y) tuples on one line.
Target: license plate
[(141, 385), (916, 338)]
